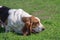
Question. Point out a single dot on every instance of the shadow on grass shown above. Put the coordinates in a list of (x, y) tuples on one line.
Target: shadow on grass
[(2, 30), (18, 34), (27, 34)]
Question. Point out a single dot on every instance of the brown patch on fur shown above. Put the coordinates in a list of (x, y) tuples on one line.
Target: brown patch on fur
[(34, 22), (28, 27)]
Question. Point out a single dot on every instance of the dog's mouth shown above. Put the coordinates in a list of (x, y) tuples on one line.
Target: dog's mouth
[(33, 31)]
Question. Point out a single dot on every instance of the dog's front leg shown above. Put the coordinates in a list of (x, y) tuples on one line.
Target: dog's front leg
[(7, 29)]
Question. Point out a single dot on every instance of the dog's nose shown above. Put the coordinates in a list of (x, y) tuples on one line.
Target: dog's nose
[(43, 29)]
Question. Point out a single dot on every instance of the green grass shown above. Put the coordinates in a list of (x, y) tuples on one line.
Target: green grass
[(47, 10)]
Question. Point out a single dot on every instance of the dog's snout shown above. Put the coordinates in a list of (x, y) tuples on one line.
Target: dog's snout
[(43, 29)]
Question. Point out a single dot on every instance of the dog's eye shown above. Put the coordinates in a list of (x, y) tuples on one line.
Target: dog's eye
[(34, 23), (37, 22)]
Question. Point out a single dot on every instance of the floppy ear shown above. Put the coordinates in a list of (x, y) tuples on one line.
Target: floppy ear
[(33, 21), (28, 27)]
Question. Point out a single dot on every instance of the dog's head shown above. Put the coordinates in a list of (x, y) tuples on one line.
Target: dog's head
[(32, 24), (36, 24)]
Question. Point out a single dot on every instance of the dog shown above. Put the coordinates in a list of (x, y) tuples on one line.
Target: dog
[(19, 21)]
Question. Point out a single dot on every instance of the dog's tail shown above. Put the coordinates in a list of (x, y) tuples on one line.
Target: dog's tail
[(0, 6)]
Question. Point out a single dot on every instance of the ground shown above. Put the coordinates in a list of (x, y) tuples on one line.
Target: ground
[(47, 10)]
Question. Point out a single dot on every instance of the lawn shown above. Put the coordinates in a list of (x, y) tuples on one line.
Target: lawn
[(47, 10)]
